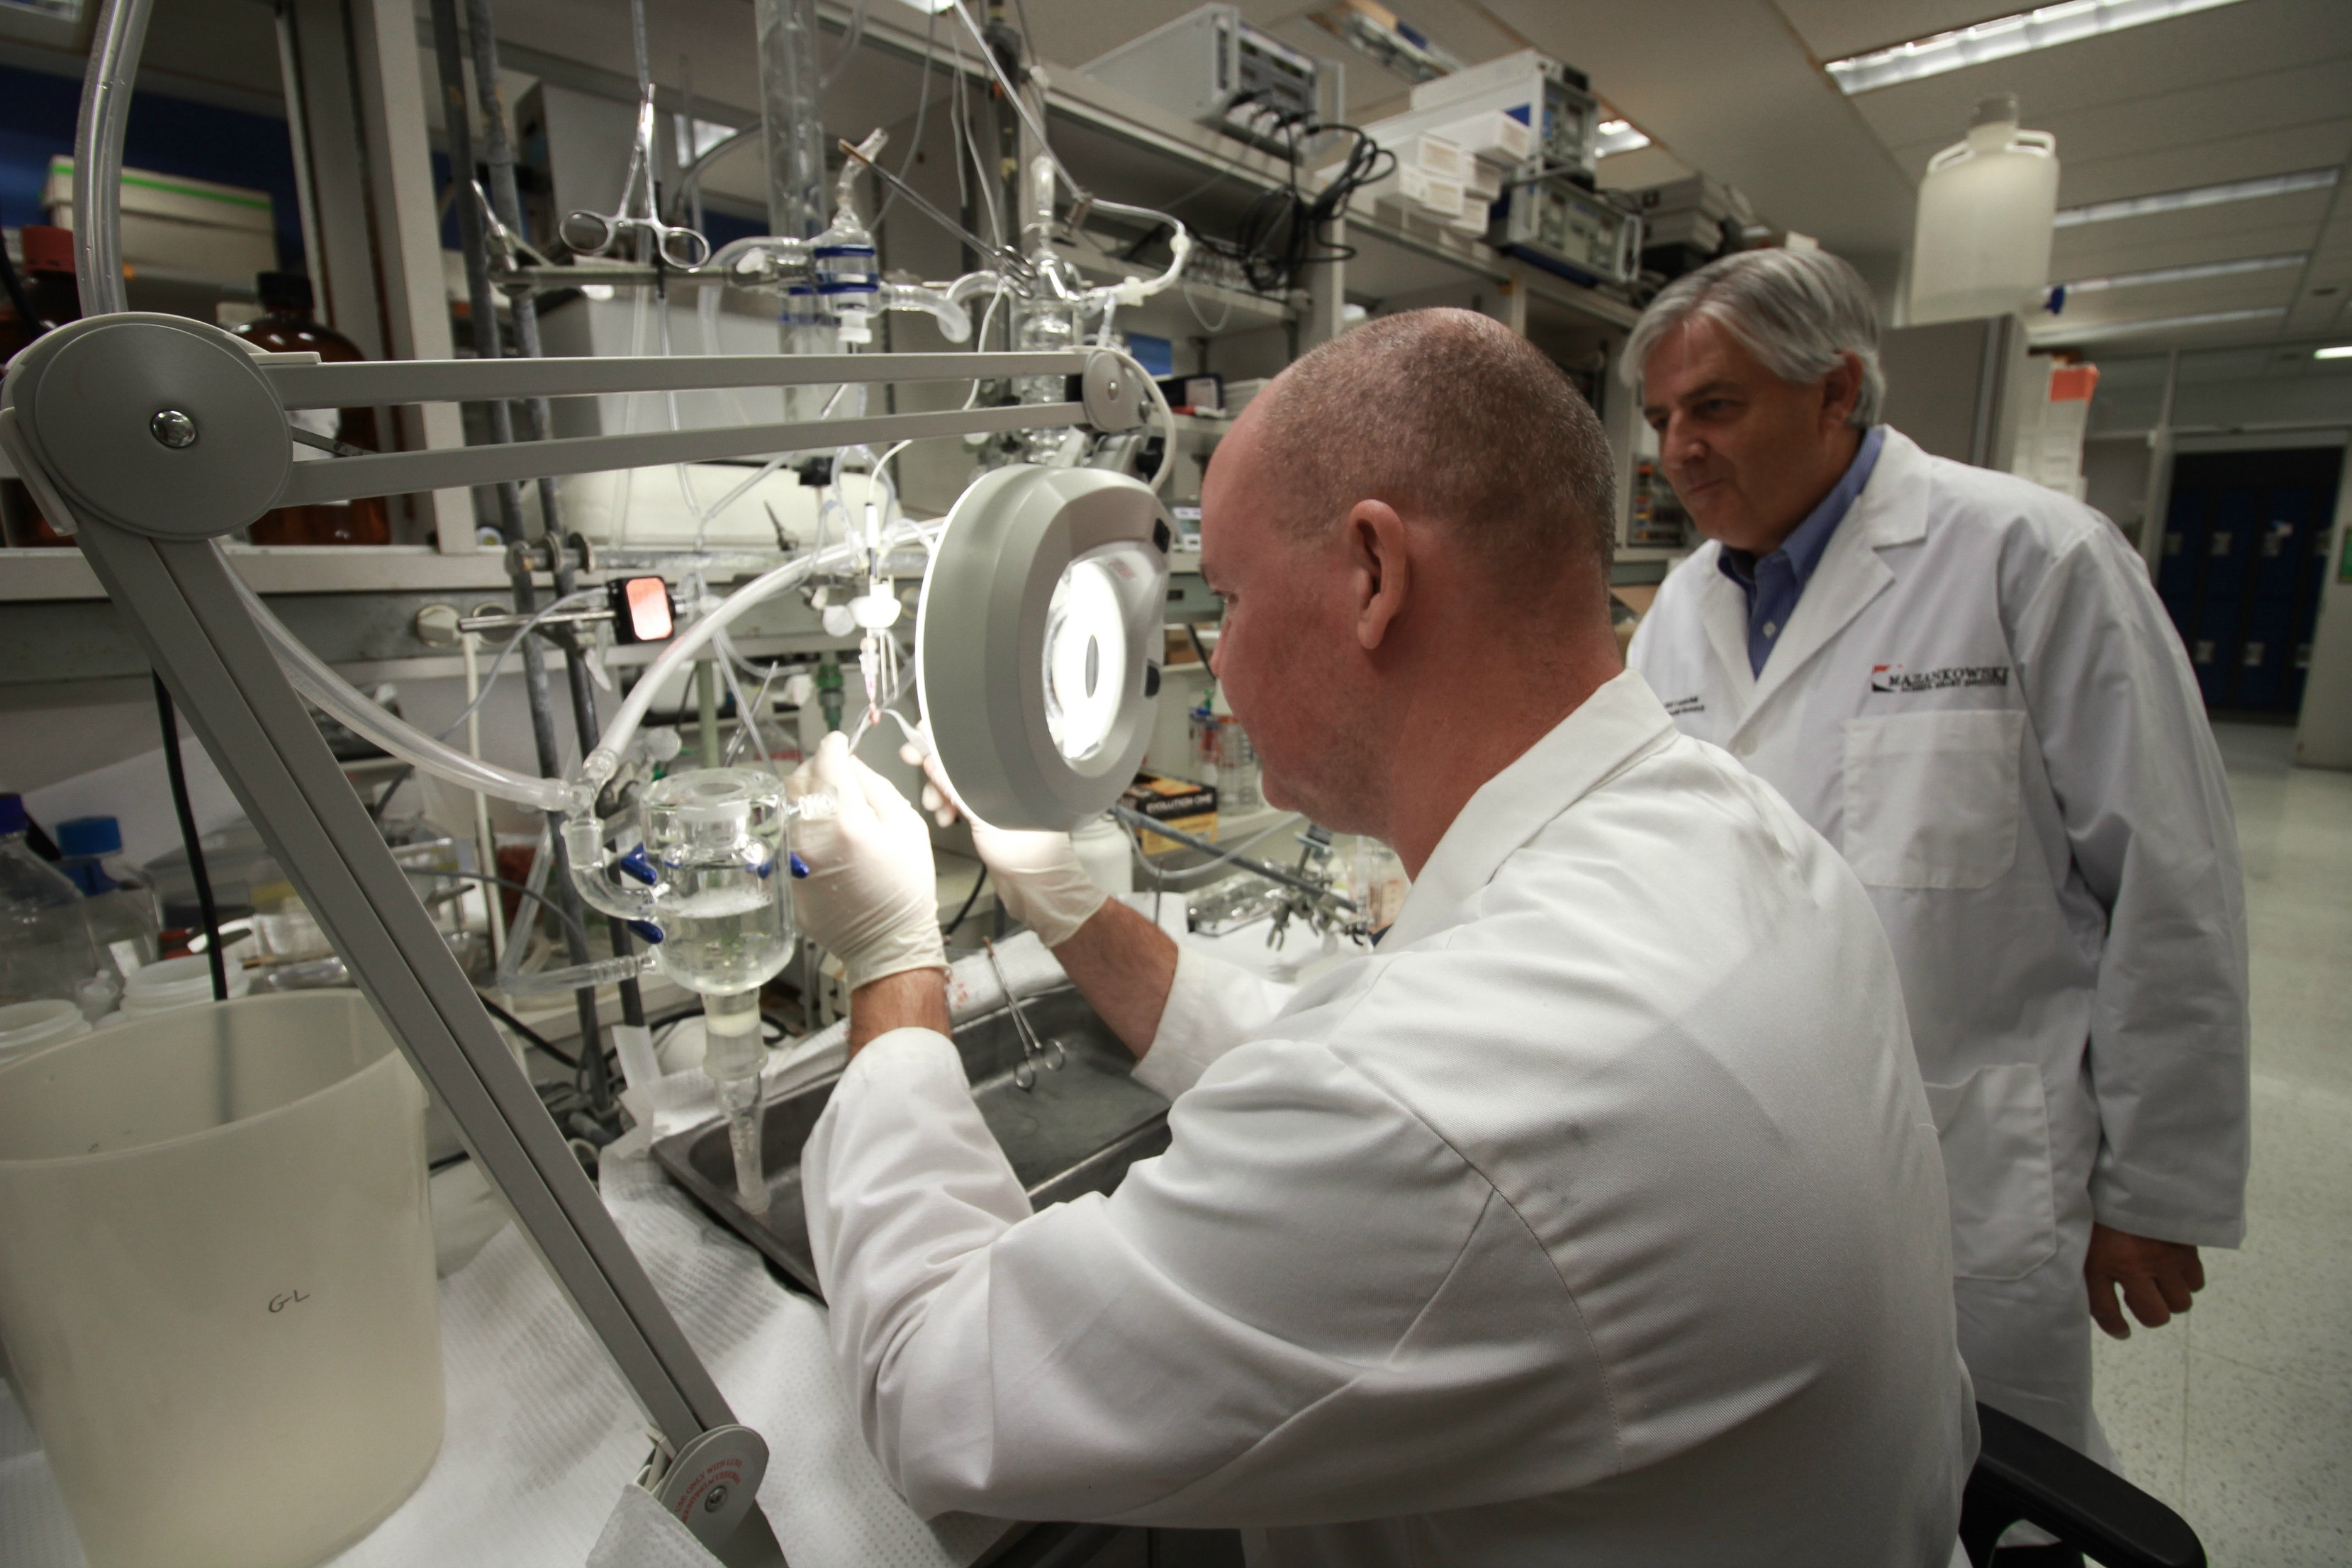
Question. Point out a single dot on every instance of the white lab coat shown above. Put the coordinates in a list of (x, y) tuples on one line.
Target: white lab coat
[(1596, 1218), (1979, 700)]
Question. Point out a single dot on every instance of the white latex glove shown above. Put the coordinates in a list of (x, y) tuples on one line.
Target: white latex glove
[(1038, 877), (870, 896)]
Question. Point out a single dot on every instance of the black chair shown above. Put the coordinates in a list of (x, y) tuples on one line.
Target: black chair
[(2023, 1475)]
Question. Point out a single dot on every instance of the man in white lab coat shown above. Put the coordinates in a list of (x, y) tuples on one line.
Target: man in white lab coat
[(1965, 682), (1596, 1218)]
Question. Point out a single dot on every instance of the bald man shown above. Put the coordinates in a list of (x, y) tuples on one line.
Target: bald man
[(1596, 1218)]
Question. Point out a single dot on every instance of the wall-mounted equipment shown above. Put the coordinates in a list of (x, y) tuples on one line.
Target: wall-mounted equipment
[(1559, 225), (1552, 100), (1212, 68)]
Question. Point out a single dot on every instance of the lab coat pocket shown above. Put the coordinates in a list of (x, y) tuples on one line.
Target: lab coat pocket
[(1931, 799), (1994, 1126)]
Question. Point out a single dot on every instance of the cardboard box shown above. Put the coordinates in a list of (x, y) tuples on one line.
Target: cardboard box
[(1182, 804), (1435, 155), (1493, 136)]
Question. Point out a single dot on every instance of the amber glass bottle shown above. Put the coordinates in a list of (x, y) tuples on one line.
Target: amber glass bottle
[(49, 280), (287, 326)]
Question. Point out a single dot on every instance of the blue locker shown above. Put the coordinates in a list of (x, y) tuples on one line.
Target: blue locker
[(2184, 526), (2266, 652), (2283, 543), (2238, 518), (2214, 648)]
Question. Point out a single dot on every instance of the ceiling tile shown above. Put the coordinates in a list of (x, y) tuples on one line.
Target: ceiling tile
[(2305, 207), (2314, 317), (2156, 339), (2315, 146), (1834, 29), (2217, 110), (2336, 238), (1651, 165), (2233, 42), (1730, 87), (2069, 259), (2151, 301)]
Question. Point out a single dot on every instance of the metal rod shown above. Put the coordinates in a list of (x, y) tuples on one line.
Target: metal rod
[(497, 155), (468, 380), (1006, 260), (1270, 871), (457, 125), (407, 473)]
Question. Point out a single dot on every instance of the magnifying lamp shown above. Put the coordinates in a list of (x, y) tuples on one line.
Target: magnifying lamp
[(1034, 649)]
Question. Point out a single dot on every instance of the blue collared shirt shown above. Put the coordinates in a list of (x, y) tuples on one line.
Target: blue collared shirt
[(1773, 582)]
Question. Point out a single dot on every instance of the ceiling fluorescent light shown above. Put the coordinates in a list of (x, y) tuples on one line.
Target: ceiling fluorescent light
[(2063, 334), (2197, 197), (2341, 350), (1997, 39), (2186, 274), (1616, 136)]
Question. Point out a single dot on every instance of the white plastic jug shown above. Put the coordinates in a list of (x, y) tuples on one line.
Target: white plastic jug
[(180, 983), (216, 1281), (24, 1025), (1983, 244)]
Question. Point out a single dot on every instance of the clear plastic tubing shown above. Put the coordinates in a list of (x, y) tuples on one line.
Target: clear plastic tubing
[(322, 686), (605, 760)]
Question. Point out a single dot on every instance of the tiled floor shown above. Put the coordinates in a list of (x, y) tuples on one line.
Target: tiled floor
[(2240, 1415)]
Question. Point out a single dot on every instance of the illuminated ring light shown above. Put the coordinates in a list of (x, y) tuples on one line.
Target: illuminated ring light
[(1034, 649)]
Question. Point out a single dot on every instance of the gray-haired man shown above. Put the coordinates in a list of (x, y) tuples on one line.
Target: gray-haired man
[(1965, 682)]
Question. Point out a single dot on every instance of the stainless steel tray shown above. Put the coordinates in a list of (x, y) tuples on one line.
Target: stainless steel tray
[(1077, 1131)]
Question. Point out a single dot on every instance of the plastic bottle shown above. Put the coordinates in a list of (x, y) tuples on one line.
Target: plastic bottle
[(49, 275), (119, 902), (24, 1025), (287, 326), (47, 949), (1983, 244), (180, 983)]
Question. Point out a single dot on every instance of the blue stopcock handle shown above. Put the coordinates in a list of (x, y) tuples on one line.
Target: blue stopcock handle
[(800, 866), (635, 865), (647, 930)]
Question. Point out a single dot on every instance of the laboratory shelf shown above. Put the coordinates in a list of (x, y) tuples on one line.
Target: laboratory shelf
[(30, 575), (1552, 295), (1395, 261)]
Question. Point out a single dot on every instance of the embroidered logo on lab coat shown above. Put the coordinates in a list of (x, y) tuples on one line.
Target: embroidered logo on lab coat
[(1894, 677)]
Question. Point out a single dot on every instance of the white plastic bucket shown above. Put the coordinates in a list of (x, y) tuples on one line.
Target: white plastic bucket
[(25, 1025), (178, 982), (217, 1282)]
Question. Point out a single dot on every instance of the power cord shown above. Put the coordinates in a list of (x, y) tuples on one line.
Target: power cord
[(1283, 231), (968, 900), (178, 773)]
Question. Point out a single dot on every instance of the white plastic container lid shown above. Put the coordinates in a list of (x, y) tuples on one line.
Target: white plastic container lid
[(24, 1025), (178, 982)]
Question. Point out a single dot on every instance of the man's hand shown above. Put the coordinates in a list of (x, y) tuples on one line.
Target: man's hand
[(2157, 1278), (1038, 878), (870, 896)]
